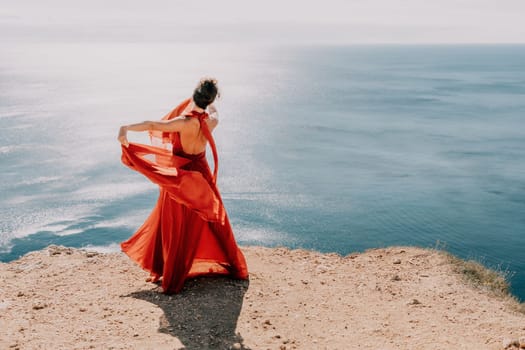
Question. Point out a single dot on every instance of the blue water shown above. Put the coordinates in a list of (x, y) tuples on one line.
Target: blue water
[(328, 148)]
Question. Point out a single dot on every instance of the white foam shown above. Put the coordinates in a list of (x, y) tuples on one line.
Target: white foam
[(16, 147), (110, 191), (5, 247), (40, 180), (28, 223), (263, 235), (111, 248), (5, 149), (55, 227), (132, 220), (70, 232), (15, 200)]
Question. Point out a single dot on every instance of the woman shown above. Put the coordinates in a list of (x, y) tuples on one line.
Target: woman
[(188, 233)]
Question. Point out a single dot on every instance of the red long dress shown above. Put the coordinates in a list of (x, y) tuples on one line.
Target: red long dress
[(188, 232)]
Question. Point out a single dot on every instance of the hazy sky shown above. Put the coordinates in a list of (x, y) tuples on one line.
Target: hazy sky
[(280, 21)]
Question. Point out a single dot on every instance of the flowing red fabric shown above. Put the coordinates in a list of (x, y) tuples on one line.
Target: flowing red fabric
[(188, 232)]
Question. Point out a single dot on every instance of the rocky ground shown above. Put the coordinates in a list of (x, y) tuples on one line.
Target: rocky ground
[(393, 298)]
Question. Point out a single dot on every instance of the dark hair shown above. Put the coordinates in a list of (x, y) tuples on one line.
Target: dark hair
[(205, 92)]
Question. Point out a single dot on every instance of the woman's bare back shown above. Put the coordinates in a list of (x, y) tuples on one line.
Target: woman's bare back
[(192, 139)]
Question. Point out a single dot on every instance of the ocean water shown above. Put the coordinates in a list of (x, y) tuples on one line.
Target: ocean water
[(336, 149)]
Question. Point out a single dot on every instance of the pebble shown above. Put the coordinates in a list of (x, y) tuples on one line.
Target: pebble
[(57, 250), (397, 261), (508, 343), (322, 269), (39, 306), (522, 342), (236, 346)]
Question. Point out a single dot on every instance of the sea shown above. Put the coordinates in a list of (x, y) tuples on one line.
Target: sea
[(330, 148)]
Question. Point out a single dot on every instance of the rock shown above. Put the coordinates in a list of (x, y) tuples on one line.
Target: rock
[(522, 342), (414, 302), (236, 346), (39, 306), (57, 250), (322, 269), (396, 278), (397, 261), (510, 343), (53, 250)]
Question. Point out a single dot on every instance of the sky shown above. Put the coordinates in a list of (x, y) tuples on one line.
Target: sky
[(268, 21)]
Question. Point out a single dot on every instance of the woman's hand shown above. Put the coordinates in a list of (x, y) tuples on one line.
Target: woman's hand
[(212, 111), (123, 136)]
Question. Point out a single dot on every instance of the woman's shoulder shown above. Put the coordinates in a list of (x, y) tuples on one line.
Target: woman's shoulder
[(193, 123)]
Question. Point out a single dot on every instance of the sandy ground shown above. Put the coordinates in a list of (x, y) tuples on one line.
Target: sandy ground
[(394, 298)]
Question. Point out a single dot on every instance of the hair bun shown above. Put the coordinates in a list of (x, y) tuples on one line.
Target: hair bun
[(205, 92), (209, 84)]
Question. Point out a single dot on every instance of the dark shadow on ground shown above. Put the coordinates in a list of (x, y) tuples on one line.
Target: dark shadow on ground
[(204, 315)]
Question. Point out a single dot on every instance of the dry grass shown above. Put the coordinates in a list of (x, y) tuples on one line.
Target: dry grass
[(493, 281)]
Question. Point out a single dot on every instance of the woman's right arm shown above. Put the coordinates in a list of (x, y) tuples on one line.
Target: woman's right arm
[(123, 132), (174, 125)]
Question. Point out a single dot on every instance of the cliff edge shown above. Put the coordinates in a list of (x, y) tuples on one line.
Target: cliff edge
[(391, 298)]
